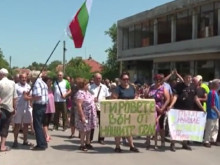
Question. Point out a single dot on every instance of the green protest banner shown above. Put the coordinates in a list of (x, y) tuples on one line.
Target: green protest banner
[(127, 117)]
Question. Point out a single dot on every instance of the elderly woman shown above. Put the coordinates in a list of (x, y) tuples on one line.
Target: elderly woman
[(86, 116), (160, 93)]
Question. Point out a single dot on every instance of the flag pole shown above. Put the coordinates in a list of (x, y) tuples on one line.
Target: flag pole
[(44, 65)]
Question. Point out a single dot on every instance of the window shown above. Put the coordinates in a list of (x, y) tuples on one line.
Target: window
[(206, 69), (138, 35), (207, 25), (184, 25), (131, 36), (147, 33), (183, 67), (163, 68), (164, 30), (125, 34)]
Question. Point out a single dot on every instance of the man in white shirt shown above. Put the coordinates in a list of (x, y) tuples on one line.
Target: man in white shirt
[(62, 90), (8, 97), (100, 92)]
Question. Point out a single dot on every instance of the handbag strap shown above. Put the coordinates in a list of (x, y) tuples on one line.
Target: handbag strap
[(59, 88), (99, 92)]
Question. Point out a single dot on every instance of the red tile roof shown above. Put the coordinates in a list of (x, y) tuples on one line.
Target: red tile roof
[(95, 66)]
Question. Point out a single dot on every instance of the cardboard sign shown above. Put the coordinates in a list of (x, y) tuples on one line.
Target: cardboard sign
[(127, 117), (186, 125)]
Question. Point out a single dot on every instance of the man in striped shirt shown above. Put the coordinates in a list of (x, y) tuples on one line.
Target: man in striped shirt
[(39, 98)]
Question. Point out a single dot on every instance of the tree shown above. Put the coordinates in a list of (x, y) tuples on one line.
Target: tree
[(35, 66), (3, 62), (76, 67), (52, 66), (111, 67)]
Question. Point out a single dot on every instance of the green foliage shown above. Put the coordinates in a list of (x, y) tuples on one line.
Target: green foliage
[(52, 74), (76, 67), (35, 66), (111, 67), (52, 66), (3, 62)]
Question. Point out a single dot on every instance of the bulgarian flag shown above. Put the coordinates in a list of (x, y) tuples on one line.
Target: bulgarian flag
[(77, 27)]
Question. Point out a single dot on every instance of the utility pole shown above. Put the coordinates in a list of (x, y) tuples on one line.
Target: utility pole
[(64, 56)]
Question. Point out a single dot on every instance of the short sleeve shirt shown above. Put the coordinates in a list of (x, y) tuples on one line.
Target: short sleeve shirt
[(40, 89), (213, 100), (22, 104), (186, 94), (7, 94), (63, 87), (125, 93), (104, 93)]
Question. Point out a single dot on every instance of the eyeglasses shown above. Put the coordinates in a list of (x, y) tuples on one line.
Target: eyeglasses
[(125, 79)]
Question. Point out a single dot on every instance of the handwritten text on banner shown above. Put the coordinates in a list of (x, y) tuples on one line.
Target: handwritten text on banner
[(186, 125), (127, 117)]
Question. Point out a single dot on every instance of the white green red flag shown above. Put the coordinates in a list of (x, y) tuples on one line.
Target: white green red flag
[(77, 27)]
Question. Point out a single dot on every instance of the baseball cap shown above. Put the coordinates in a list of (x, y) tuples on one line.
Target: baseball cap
[(199, 77)]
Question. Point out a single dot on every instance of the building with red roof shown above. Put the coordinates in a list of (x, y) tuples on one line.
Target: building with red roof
[(95, 66)]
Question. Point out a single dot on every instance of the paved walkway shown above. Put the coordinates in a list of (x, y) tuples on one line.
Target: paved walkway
[(62, 150)]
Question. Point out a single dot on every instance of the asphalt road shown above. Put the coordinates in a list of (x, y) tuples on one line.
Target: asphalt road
[(63, 150)]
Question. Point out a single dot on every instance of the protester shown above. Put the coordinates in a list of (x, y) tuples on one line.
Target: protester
[(201, 93), (16, 78), (8, 97), (74, 90), (184, 98), (107, 83), (112, 87), (100, 92), (218, 138), (68, 102), (39, 99), (87, 115), (23, 115), (202, 84), (213, 115), (50, 109), (173, 75), (62, 90), (162, 98), (124, 91)]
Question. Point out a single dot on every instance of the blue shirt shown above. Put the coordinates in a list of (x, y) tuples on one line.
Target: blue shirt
[(213, 100), (125, 93)]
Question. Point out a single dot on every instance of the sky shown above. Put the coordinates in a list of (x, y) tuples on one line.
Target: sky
[(30, 29)]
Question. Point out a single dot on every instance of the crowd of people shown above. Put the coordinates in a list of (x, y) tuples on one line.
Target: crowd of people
[(41, 102)]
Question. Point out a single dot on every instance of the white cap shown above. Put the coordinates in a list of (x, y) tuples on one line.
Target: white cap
[(4, 71), (199, 77)]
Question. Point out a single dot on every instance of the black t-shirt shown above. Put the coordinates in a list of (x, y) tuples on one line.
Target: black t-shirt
[(125, 93), (186, 94)]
